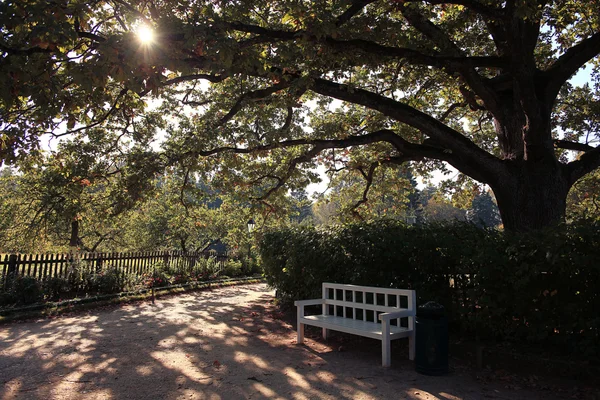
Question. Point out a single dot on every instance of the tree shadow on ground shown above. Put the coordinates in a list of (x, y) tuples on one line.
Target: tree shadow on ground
[(229, 343)]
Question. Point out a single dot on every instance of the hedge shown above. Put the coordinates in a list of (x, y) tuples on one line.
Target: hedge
[(540, 288)]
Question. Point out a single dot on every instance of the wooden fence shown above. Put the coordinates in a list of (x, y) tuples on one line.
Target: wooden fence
[(43, 266)]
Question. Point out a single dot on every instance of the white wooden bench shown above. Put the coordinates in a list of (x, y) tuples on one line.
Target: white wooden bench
[(372, 312)]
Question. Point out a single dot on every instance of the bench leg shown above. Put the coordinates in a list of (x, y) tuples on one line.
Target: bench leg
[(325, 333), (300, 333), (411, 346), (386, 356), (300, 315)]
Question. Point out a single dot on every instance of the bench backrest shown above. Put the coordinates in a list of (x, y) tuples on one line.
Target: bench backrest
[(366, 302)]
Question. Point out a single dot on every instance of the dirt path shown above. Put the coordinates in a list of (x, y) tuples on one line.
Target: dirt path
[(228, 343)]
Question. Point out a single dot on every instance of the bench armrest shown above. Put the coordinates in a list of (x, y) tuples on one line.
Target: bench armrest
[(396, 314), (312, 302), (301, 303)]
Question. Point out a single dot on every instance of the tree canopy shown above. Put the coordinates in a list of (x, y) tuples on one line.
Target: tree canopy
[(244, 89)]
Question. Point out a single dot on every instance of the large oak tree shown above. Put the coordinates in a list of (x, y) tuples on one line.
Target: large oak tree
[(481, 85)]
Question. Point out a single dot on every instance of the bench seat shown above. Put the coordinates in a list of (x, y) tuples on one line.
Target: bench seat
[(354, 326)]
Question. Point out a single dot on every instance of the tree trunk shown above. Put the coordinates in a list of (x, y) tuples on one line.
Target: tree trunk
[(74, 241), (532, 195)]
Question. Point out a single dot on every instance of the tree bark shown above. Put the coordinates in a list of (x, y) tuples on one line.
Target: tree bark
[(74, 240), (533, 195)]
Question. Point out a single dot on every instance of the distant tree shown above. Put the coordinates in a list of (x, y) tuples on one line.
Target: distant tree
[(301, 207), (183, 214), (57, 192), (12, 214), (370, 193), (325, 212), (73, 195), (484, 212), (438, 208)]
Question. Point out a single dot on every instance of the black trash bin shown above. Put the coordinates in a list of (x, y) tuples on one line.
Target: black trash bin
[(431, 336)]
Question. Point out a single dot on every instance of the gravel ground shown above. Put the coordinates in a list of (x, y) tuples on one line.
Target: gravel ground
[(228, 343)]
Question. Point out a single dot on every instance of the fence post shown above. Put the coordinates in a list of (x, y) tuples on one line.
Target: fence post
[(99, 262), (166, 258), (12, 269)]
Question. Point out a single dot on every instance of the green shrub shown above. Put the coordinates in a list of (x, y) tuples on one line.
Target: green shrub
[(110, 280), (385, 254), (179, 272), (54, 288), (538, 288), (205, 269), (251, 266), (158, 276), (25, 290), (82, 278), (232, 268), (6, 298)]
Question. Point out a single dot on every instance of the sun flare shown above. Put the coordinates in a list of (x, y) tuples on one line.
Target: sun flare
[(145, 34)]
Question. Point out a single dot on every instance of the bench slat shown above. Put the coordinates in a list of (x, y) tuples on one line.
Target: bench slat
[(363, 306), (356, 327), (402, 292)]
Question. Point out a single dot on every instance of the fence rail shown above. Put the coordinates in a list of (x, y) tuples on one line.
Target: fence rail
[(44, 266)]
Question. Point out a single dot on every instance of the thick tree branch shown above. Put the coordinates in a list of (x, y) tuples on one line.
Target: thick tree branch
[(91, 36), (101, 238), (309, 155), (194, 77), (369, 178), (133, 10), (408, 151), (99, 121), (369, 175), (384, 135), (252, 95), (464, 154), (431, 31), (570, 62), (25, 52), (476, 82), (354, 9), (586, 163), (188, 78), (565, 144), (438, 60), (450, 110), (288, 120), (474, 5), (441, 61)]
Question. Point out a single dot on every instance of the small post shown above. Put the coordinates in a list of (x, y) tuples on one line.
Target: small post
[(99, 263), (166, 258), (12, 269), (153, 281)]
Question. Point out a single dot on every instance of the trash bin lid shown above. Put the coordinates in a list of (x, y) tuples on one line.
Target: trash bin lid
[(431, 309)]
